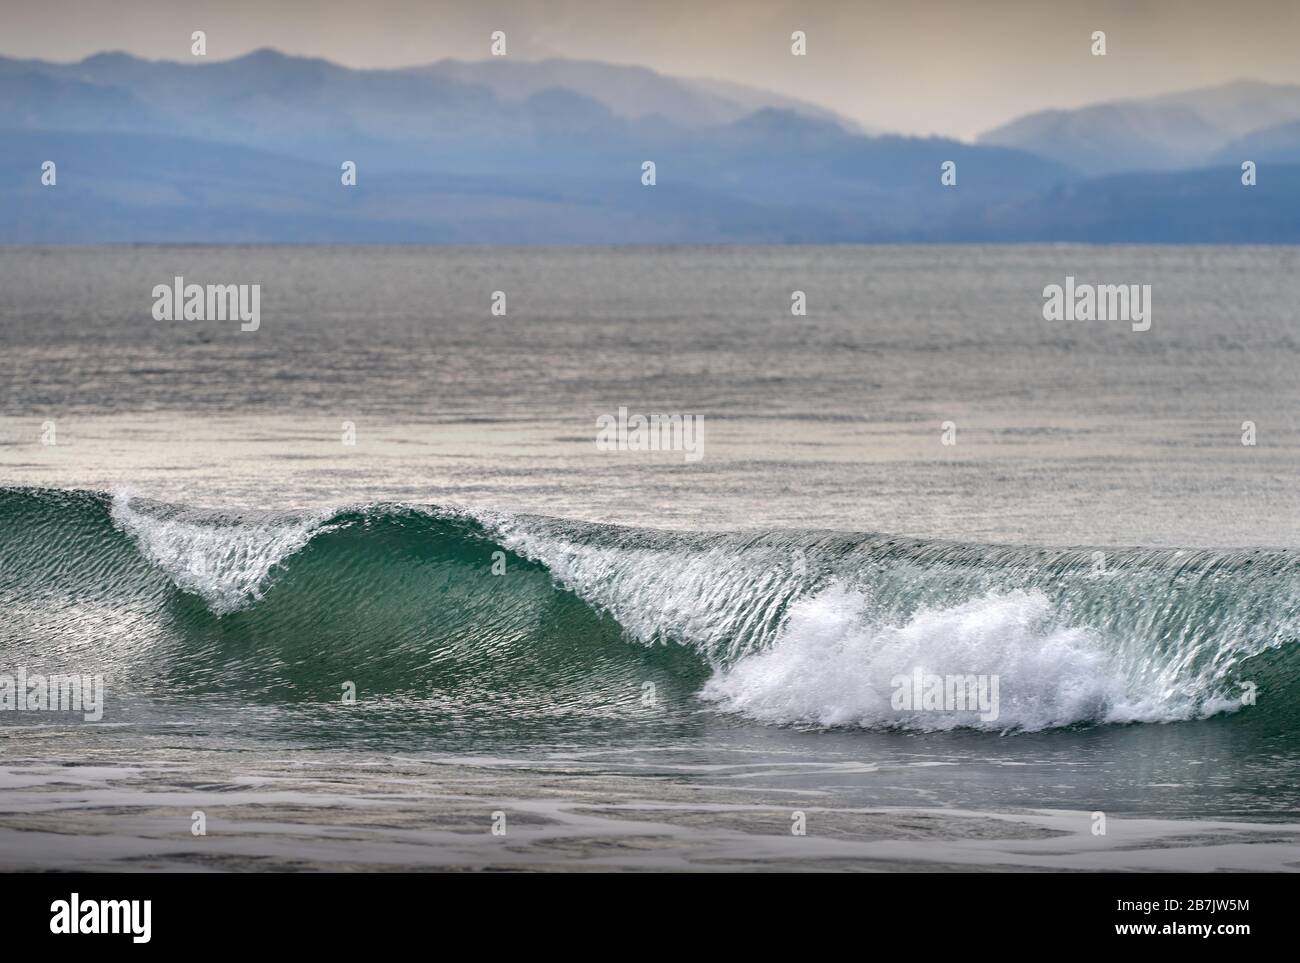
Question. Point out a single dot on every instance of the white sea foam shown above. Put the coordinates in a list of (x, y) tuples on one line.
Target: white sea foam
[(830, 666), (225, 562)]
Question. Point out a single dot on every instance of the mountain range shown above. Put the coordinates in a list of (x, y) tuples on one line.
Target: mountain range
[(1197, 128), (534, 152)]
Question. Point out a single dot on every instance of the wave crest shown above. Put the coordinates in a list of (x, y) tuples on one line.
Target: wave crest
[(224, 561)]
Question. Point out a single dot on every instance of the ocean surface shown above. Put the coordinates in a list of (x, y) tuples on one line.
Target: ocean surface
[(366, 593)]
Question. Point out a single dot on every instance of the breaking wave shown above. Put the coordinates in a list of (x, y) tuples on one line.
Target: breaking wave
[(535, 615)]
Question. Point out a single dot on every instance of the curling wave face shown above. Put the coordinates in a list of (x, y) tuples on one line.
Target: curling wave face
[(446, 613)]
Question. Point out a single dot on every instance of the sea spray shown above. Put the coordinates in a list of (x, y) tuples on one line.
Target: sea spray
[(833, 666)]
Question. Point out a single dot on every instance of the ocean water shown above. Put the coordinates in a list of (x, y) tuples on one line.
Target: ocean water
[(362, 586)]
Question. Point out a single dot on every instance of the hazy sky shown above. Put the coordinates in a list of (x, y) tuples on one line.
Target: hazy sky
[(921, 66)]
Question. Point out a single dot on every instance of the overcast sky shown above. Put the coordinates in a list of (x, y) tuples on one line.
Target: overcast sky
[(953, 67)]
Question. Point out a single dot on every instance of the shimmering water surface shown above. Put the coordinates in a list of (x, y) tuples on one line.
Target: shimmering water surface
[(646, 661)]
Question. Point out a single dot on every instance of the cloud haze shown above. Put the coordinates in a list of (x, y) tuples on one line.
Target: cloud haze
[(936, 66)]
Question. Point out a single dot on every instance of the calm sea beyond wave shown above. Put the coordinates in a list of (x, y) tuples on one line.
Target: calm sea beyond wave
[(938, 580)]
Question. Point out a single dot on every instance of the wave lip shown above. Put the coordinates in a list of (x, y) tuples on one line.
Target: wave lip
[(224, 561)]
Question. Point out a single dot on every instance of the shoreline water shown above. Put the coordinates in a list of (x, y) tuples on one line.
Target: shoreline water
[(368, 813)]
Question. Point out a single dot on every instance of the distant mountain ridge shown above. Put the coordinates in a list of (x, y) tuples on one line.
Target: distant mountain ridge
[(250, 150), (628, 91), (498, 85), (1179, 131)]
